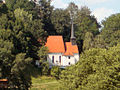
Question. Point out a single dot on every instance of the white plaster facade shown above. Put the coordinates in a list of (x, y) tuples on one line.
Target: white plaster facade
[(58, 59)]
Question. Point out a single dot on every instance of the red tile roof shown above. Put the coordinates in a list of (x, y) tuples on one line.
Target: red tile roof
[(3, 80), (55, 44), (70, 49)]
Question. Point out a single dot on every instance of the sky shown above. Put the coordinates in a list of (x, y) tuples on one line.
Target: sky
[(101, 9)]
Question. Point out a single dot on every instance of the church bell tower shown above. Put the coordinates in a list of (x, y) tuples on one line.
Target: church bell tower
[(72, 38), (72, 16)]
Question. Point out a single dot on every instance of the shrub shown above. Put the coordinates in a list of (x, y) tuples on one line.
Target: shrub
[(55, 72)]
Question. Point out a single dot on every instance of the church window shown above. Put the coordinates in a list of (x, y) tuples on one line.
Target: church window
[(59, 59), (52, 59), (68, 57)]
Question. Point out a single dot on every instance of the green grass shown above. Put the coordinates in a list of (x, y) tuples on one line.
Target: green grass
[(44, 83)]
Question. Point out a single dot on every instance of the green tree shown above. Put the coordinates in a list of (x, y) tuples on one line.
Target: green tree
[(6, 57), (42, 54), (3, 21), (19, 45), (99, 42), (26, 31), (61, 21), (27, 5), (55, 72), (3, 8), (73, 10), (111, 30), (36, 28), (85, 22), (14, 69), (44, 11), (20, 72), (88, 41), (14, 4), (22, 15), (97, 69), (10, 3)]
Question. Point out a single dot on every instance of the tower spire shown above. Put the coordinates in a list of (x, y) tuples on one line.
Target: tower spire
[(72, 29), (72, 12), (72, 38)]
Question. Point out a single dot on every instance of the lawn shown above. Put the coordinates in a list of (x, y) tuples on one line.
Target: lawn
[(44, 83)]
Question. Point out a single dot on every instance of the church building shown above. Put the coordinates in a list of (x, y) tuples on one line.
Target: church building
[(60, 53)]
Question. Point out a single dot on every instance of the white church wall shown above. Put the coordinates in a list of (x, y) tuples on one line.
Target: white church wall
[(76, 55), (57, 60), (65, 60), (68, 60)]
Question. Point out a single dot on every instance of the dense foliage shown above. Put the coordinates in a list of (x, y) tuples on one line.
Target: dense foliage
[(24, 27), (19, 45), (111, 30), (98, 69), (55, 72)]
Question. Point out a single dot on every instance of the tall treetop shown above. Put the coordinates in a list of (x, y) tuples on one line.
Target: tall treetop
[(73, 9)]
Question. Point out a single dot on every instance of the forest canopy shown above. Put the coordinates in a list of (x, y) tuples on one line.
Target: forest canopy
[(24, 27)]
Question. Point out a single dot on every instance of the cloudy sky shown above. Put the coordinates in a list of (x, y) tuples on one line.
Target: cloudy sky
[(100, 8)]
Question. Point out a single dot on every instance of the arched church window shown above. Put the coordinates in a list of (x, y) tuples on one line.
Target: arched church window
[(59, 59), (68, 57), (52, 59)]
